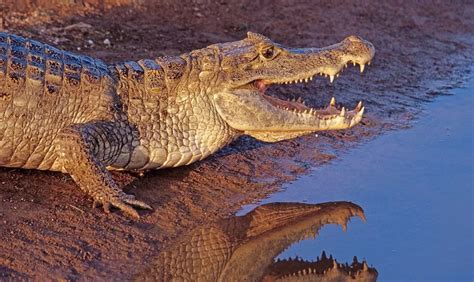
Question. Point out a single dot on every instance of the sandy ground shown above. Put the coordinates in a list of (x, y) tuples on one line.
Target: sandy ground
[(47, 225)]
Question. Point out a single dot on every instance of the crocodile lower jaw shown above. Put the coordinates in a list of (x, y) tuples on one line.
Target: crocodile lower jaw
[(323, 267)]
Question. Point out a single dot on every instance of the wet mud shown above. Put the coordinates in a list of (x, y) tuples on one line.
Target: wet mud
[(47, 226)]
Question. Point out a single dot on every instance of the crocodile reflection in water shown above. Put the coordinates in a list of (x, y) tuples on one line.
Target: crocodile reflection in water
[(245, 247)]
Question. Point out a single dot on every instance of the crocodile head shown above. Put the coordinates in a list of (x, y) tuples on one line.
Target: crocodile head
[(248, 67), (244, 248)]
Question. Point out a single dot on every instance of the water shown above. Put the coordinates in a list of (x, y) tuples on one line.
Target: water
[(416, 187)]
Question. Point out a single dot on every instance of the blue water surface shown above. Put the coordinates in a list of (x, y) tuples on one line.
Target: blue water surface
[(416, 187)]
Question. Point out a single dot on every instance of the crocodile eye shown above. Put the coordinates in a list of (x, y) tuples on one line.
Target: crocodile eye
[(269, 53)]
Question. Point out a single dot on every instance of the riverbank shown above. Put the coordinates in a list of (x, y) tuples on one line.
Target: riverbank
[(423, 50)]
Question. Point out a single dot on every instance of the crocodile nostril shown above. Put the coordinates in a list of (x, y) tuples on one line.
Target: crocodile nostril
[(353, 38)]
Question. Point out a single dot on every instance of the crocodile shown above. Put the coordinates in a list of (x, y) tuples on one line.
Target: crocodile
[(75, 114), (244, 248)]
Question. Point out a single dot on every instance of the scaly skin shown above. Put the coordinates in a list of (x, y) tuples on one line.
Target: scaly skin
[(64, 112), (244, 248)]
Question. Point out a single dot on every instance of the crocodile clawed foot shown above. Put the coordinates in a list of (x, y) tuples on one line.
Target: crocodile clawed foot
[(126, 203)]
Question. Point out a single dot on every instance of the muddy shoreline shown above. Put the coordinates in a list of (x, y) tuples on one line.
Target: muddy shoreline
[(46, 223)]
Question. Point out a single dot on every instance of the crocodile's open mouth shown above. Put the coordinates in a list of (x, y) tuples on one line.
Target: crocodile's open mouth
[(246, 107), (298, 106)]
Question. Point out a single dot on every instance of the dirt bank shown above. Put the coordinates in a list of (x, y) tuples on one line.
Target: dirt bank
[(47, 227)]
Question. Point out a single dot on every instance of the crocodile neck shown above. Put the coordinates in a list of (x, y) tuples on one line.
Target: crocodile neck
[(167, 101)]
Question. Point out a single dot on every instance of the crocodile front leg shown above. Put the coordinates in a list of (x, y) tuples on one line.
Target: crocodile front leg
[(84, 151)]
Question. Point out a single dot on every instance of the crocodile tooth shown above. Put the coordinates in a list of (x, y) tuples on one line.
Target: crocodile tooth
[(311, 78), (369, 63), (343, 112), (354, 64), (331, 78), (333, 102), (337, 75), (306, 80), (362, 66), (359, 106)]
